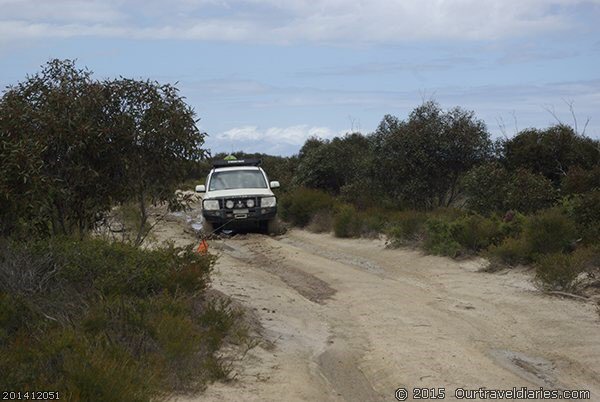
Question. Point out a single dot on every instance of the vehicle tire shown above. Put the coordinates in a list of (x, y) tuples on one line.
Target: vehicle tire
[(207, 228), (273, 226)]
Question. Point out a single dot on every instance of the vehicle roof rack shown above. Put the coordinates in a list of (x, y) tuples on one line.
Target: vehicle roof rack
[(236, 162)]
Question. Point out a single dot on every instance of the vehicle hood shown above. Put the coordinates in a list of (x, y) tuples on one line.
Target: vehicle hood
[(239, 192)]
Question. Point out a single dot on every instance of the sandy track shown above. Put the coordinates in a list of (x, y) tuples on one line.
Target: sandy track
[(351, 320)]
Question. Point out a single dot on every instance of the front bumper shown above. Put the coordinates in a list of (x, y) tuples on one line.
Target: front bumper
[(249, 214)]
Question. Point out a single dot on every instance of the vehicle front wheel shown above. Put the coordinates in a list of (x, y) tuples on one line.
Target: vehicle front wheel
[(271, 227)]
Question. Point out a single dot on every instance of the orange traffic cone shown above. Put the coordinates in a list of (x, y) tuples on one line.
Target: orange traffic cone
[(202, 247)]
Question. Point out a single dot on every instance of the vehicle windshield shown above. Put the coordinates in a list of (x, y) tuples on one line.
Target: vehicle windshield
[(237, 179)]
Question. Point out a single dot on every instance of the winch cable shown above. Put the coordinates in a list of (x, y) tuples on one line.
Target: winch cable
[(206, 236), (203, 246)]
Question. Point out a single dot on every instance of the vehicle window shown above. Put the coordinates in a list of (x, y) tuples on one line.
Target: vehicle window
[(237, 179)]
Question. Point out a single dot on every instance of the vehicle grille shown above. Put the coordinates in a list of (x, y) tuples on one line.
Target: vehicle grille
[(239, 202)]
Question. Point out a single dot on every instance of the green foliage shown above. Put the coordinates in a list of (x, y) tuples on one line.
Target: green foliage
[(512, 223), (108, 321), (332, 165), (549, 231), (476, 233), (406, 227), (50, 128), (559, 271), (584, 210), (550, 152), (512, 251), (362, 192), (157, 137), (529, 192), (321, 222), (439, 239), (301, 204), (72, 146), (347, 222), (580, 181), (485, 188), (453, 234), (491, 188), (374, 221), (421, 160)]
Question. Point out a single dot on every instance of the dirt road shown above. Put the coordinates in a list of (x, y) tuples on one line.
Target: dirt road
[(352, 320)]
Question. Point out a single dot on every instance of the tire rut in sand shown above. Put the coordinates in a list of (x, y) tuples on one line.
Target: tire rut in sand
[(254, 250), (340, 366)]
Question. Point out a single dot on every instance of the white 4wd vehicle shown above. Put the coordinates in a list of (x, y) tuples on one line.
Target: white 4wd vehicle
[(238, 191)]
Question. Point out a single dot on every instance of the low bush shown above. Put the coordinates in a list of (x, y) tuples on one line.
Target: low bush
[(511, 251), (584, 210), (439, 239), (475, 232), (374, 221), (511, 224), (406, 227), (108, 321), (559, 271), (548, 231), (347, 222), (321, 222), (300, 205)]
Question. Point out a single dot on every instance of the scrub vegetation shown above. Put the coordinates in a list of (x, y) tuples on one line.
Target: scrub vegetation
[(89, 318), (439, 182)]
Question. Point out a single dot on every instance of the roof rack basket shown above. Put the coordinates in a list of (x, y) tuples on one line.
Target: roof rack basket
[(236, 162)]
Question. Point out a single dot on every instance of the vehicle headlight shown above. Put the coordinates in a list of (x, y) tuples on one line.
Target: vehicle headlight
[(210, 205), (250, 203), (268, 202), (229, 204)]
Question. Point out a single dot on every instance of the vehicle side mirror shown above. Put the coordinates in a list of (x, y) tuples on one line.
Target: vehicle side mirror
[(201, 188), (274, 184)]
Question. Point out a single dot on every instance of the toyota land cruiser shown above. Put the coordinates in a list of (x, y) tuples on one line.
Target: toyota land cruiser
[(238, 191)]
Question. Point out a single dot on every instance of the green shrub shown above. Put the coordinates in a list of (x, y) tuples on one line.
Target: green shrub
[(108, 321), (374, 221), (584, 210), (347, 222), (558, 271), (528, 192), (406, 227), (511, 251), (485, 187), (511, 224), (439, 239), (321, 222), (300, 205), (475, 232), (549, 231), (579, 180)]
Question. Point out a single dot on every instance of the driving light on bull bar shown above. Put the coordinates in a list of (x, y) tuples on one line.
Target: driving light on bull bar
[(268, 202), (250, 203), (229, 204), (210, 205)]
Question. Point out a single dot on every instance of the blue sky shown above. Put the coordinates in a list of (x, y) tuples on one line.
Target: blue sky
[(265, 75)]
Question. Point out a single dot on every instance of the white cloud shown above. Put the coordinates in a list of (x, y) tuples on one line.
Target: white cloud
[(273, 140), (293, 135), (333, 21), (68, 11)]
